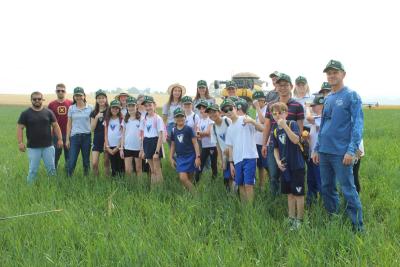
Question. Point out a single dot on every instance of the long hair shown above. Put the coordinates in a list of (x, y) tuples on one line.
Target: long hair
[(171, 97), (295, 93), (207, 94), (109, 115), (137, 116), (74, 101), (97, 107)]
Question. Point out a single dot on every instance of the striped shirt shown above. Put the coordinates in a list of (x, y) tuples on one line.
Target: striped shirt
[(295, 112)]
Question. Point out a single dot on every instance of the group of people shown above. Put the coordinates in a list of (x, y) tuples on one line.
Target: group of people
[(294, 134)]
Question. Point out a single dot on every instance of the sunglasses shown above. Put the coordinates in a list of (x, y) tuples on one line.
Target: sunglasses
[(276, 113), (227, 109), (60, 91), (37, 99)]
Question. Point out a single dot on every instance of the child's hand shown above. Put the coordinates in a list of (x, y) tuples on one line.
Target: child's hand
[(281, 166), (156, 156), (173, 162), (197, 162), (248, 119), (232, 167), (141, 154), (281, 123), (256, 104), (121, 154)]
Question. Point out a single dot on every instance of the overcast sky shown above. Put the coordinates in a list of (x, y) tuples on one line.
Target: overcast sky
[(109, 44)]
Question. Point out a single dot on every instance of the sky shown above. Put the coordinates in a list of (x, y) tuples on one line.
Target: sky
[(152, 44)]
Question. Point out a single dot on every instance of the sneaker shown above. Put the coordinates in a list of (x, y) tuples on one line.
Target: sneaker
[(291, 222)]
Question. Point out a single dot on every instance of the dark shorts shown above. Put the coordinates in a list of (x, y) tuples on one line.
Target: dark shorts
[(186, 163), (150, 146), (131, 153), (227, 171), (292, 182), (98, 142), (261, 161)]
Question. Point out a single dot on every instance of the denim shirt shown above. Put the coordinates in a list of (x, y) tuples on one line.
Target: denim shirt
[(342, 123)]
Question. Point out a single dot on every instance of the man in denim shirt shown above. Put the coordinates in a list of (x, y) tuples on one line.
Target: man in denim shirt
[(338, 140)]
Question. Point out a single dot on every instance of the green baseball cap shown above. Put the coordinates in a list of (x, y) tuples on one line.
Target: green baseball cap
[(231, 84), (101, 92), (284, 77), (258, 94), (326, 86), (79, 91), (187, 100), (301, 79), (115, 103), (242, 104), (178, 112), (226, 103), (147, 99), (234, 98), (201, 83), (318, 100), (214, 107), (334, 64), (131, 100), (202, 103), (275, 74)]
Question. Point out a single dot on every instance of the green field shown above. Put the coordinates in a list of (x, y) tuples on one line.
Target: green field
[(169, 227)]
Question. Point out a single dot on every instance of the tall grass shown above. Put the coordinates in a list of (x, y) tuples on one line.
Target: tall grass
[(167, 226)]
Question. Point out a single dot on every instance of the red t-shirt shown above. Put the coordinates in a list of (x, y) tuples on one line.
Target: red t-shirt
[(61, 112)]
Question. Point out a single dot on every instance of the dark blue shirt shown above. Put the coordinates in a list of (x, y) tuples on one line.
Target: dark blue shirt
[(183, 140), (288, 150), (341, 124)]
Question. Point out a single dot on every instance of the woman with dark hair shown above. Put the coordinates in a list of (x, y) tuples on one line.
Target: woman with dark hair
[(97, 127), (202, 94), (78, 131)]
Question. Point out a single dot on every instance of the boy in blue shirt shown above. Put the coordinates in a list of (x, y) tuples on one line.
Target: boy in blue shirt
[(184, 144), (288, 156)]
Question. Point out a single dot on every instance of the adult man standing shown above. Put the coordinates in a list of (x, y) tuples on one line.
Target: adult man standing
[(338, 140), (38, 122), (60, 108), (295, 112)]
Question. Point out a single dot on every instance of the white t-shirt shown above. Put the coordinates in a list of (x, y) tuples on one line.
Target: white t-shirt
[(132, 135), (192, 121), (220, 134), (114, 132), (314, 130), (151, 126), (202, 127), (241, 137), (170, 112), (303, 101), (259, 135)]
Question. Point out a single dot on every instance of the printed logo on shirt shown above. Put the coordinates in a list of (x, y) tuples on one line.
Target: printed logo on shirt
[(339, 102), (180, 138), (61, 110), (137, 125), (202, 128), (222, 136), (282, 138), (298, 189), (112, 126), (148, 126)]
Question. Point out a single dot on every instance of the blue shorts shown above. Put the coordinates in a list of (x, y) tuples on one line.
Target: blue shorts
[(186, 163), (245, 172), (261, 161), (227, 171), (150, 146)]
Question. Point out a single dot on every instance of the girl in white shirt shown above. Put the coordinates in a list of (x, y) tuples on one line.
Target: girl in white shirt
[(131, 141), (192, 119), (113, 133), (175, 91), (152, 130)]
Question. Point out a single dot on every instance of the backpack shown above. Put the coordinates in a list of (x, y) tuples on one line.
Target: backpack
[(303, 144), (215, 128)]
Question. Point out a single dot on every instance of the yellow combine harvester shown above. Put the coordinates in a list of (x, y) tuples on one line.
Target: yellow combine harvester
[(246, 83)]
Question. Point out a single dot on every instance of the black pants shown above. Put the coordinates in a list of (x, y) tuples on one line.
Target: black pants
[(206, 152), (356, 169), (117, 164)]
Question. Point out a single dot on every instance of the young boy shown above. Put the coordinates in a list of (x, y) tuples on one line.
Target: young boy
[(313, 174), (288, 156), (260, 105), (184, 143), (242, 149), (218, 136)]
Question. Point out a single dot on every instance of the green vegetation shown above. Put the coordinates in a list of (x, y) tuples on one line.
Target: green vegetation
[(169, 227)]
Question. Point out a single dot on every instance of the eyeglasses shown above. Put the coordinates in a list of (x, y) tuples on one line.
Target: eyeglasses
[(227, 109), (37, 99), (60, 91), (276, 113)]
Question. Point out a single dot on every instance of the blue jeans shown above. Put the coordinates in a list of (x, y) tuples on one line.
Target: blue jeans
[(35, 155), (332, 171), (79, 142), (59, 151), (272, 171), (313, 182)]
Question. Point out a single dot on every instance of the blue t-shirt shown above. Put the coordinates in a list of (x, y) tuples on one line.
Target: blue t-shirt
[(183, 140), (288, 150), (341, 124), (80, 119)]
